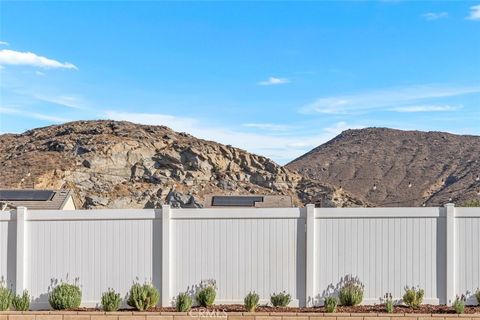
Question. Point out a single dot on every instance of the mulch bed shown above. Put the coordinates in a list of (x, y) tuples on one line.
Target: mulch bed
[(379, 308)]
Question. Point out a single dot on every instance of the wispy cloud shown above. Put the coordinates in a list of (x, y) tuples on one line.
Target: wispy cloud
[(426, 108), (435, 15), (4, 43), (273, 81), (280, 148), (385, 99), (17, 58), (33, 115), (62, 100), (474, 13), (267, 126)]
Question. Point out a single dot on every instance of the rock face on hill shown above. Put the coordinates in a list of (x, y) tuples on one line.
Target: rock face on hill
[(113, 164), (387, 167)]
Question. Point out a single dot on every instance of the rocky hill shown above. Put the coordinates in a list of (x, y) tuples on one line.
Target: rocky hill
[(113, 164), (387, 167)]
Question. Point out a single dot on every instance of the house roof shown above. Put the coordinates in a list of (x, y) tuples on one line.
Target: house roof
[(35, 199)]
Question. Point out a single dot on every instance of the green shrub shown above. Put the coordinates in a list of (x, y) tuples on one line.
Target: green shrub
[(470, 203), (65, 296), (206, 293), (351, 293), (143, 297), (281, 299), (413, 297), (388, 302), (183, 303), (477, 295), (459, 304), (331, 304), (251, 301), (6, 297), (111, 300), (21, 302)]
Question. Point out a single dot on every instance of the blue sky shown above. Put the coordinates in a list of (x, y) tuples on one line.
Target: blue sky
[(274, 78)]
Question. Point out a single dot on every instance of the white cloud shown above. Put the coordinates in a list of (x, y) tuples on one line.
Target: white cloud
[(273, 81), (474, 13), (11, 57), (33, 115), (62, 100), (4, 43), (384, 99), (39, 73), (426, 108), (281, 149), (267, 126), (435, 15)]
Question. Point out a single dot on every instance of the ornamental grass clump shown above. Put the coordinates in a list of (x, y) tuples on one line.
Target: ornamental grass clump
[(206, 294), (281, 299), (21, 302), (6, 297), (111, 300), (388, 298), (351, 293), (459, 304), (251, 301), (183, 302), (413, 297), (331, 304), (65, 296), (143, 297)]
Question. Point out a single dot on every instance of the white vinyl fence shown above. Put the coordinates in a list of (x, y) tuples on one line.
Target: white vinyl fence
[(303, 251)]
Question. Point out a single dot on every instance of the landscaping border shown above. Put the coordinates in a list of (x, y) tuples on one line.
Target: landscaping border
[(133, 315)]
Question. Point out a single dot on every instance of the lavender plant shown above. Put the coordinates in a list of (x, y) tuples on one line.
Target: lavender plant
[(6, 297), (183, 302), (65, 296), (143, 297), (281, 299), (251, 301), (206, 293), (388, 302), (21, 302), (413, 297), (330, 304), (459, 304), (351, 292), (111, 300)]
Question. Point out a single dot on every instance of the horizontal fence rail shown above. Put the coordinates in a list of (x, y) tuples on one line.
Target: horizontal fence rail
[(305, 252)]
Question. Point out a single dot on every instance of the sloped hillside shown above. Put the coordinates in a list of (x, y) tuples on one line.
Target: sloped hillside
[(389, 167), (124, 165)]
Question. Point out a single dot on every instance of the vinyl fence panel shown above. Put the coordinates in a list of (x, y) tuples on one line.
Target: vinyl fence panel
[(302, 251)]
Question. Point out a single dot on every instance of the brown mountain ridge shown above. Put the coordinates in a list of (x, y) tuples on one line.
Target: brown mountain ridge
[(111, 164), (388, 167)]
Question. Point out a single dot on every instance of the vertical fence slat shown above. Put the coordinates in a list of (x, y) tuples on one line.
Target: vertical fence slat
[(20, 266), (166, 299), (450, 239), (310, 256)]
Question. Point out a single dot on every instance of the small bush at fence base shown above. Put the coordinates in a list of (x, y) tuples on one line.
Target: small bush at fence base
[(281, 299), (65, 296), (183, 302), (21, 302)]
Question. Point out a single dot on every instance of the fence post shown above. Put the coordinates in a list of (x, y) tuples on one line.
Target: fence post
[(310, 256), (166, 255), (20, 250), (450, 254)]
